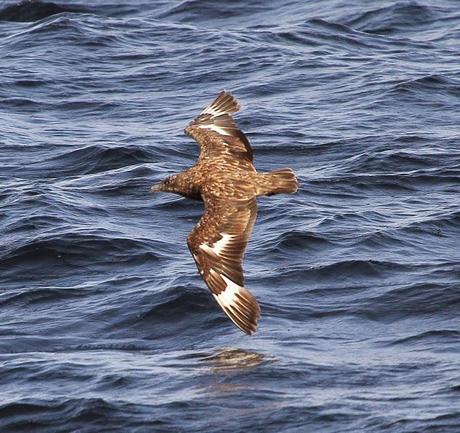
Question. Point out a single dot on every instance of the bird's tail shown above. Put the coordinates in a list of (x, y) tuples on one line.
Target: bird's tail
[(277, 182)]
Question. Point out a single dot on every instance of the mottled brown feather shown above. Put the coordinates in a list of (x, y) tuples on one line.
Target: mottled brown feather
[(222, 134), (235, 218), (225, 178)]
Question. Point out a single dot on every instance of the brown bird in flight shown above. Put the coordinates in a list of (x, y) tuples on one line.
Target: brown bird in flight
[(225, 179)]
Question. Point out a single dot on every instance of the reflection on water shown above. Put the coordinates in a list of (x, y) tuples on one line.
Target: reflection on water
[(234, 376), (228, 359)]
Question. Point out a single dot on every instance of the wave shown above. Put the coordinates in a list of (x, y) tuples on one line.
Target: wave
[(293, 242), (27, 10), (397, 162), (45, 252), (192, 10), (383, 303), (437, 227), (91, 160), (436, 337), (35, 414), (419, 299), (164, 313), (39, 295), (358, 183), (94, 159), (178, 301), (342, 271), (429, 85), (387, 20), (78, 33), (28, 104)]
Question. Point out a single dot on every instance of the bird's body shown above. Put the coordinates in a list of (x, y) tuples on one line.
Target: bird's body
[(225, 179)]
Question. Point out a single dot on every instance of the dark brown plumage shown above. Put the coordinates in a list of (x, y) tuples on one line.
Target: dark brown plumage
[(225, 179)]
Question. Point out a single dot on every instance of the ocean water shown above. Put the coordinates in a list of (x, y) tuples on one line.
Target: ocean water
[(105, 324)]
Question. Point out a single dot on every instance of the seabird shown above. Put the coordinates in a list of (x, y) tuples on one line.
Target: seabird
[(225, 179)]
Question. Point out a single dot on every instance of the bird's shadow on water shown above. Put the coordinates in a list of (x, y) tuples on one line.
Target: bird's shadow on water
[(240, 375), (230, 359)]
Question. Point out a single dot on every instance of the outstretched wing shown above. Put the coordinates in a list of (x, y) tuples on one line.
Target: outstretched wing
[(216, 132), (217, 244)]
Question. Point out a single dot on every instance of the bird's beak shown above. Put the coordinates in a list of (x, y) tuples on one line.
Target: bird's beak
[(155, 188)]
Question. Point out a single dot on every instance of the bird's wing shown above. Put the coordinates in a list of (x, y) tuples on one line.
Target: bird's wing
[(217, 244), (216, 132)]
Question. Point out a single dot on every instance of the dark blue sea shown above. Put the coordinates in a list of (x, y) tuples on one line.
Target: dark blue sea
[(105, 324)]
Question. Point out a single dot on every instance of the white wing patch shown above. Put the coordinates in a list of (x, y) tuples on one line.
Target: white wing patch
[(238, 304), (227, 297), (215, 128), (218, 246)]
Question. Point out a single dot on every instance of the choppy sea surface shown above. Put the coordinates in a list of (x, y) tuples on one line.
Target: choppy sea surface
[(105, 324)]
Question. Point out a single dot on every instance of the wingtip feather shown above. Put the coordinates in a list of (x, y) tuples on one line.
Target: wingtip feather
[(225, 103), (239, 305)]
